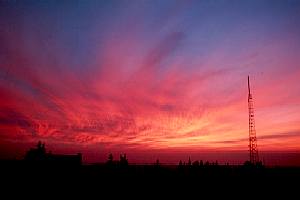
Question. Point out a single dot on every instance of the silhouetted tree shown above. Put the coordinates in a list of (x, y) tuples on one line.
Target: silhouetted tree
[(181, 165), (259, 164), (247, 163), (157, 162), (201, 163), (123, 160), (39, 145), (190, 162), (196, 163), (110, 159)]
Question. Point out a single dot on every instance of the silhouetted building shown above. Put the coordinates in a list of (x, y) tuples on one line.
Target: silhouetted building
[(39, 155)]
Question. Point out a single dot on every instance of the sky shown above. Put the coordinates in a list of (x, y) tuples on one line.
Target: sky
[(154, 79)]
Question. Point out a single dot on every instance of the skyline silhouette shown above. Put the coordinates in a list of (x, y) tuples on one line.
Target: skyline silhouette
[(41, 172), (43, 155)]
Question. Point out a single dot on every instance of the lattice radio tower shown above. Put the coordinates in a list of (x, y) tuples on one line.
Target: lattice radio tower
[(252, 133)]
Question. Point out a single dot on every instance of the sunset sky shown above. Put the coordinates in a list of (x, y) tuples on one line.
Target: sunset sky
[(155, 79)]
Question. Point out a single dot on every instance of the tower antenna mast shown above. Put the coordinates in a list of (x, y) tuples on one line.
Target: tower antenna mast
[(252, 133)]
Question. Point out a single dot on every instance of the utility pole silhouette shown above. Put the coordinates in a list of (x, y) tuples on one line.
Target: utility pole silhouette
[(252, 133)]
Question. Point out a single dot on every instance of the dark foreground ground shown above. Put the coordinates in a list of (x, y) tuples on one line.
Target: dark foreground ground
[(16, 175)]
